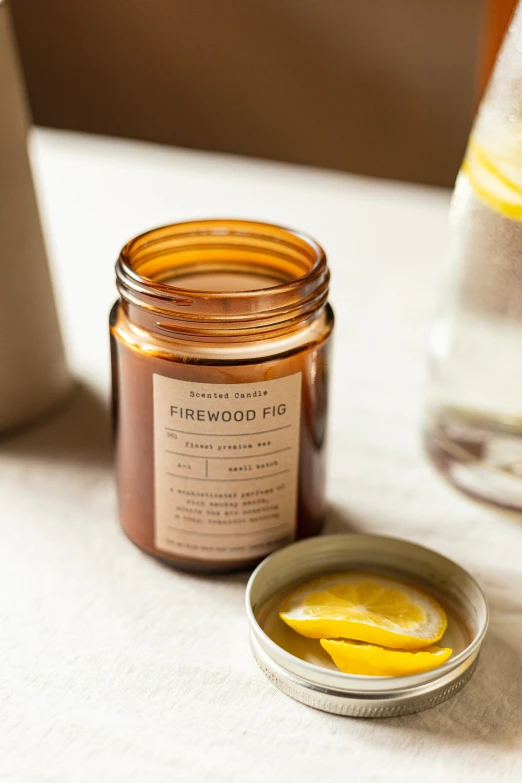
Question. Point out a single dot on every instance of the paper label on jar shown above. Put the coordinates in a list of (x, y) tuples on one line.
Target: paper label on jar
[(226, 467)]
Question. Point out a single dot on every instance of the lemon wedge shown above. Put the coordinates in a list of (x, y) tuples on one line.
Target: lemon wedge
[(367, 608), (370, 659)]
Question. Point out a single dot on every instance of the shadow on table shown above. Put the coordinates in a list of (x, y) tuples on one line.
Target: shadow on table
[(339, 520), (487, 711), (78, 432)]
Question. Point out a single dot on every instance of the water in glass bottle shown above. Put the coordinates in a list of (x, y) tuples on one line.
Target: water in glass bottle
[(474, 412)]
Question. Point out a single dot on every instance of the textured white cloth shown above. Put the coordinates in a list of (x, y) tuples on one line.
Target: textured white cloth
[(114, 668)]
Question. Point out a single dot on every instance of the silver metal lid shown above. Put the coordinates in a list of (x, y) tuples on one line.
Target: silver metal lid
[(355, 695)]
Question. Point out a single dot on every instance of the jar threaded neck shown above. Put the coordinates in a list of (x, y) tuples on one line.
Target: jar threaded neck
[(294, 263)]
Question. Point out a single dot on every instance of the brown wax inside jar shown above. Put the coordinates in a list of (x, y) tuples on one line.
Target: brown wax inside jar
[(133, 373), (222, 281)]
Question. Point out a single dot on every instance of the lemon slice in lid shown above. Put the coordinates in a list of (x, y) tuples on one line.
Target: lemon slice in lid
[(365, 607)]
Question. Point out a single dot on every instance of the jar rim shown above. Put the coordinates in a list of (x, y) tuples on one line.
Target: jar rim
[(284, 250)]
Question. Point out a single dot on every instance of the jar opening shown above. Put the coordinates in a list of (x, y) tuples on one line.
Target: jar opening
[(224, 271)]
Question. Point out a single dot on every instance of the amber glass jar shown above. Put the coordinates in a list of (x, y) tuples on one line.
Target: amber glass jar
[(220, 374)]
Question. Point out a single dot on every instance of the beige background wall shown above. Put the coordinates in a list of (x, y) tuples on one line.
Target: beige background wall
[(377, 86)]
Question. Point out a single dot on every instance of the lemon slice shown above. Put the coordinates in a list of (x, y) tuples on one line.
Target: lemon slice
[(367, 608), (494, 170), (370, 659)]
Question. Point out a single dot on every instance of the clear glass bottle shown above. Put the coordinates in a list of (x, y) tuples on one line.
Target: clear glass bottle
[(474, 416), (220, 371)]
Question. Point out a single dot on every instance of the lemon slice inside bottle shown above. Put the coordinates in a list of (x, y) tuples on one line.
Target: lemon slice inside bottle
[(493, 167), (366, 608), (370, 659)]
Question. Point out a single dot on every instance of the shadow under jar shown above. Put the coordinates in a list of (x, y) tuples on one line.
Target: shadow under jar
[(220, 373)]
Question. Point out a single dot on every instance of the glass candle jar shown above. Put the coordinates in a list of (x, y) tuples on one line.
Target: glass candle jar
[(220, 373)]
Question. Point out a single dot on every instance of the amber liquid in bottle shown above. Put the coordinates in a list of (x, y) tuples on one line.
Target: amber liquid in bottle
[(220, 375)]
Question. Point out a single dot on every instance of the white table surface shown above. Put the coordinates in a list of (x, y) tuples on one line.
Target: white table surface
[(116, 668)]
